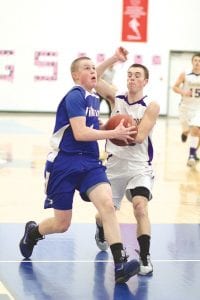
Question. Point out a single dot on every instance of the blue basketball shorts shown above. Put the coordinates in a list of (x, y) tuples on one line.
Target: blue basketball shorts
[(68, 173)]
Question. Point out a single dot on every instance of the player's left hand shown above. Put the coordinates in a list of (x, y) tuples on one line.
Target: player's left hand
[(121, 54)]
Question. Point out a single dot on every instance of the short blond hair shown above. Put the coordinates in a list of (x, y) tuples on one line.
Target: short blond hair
[(75, 63)]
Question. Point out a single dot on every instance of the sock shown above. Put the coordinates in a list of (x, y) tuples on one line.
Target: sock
[(117, 252), (194, 141), (144, 243), (192, 151), (35, 234)]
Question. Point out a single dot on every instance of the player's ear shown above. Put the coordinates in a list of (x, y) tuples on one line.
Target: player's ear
[(75, 76)]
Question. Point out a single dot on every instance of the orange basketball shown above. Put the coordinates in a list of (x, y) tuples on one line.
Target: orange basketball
[(113, 121)]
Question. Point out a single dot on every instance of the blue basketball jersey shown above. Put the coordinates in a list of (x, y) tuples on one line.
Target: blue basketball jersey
[(77, 102), (73, 165)]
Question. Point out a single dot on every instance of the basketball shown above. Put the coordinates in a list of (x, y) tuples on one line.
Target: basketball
[(113, 121)]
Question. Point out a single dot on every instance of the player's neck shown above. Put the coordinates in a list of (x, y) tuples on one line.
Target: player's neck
[(134, 97), (196, 71)]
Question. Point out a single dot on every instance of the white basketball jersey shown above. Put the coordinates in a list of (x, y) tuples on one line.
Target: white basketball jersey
[(192, 82), (136, 152)]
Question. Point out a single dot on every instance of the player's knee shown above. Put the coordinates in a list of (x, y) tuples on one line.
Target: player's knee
[(62, 226), (107, 206), (140, 210), (140, 196)]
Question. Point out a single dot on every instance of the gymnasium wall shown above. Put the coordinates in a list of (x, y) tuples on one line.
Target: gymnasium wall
[(40, 38)]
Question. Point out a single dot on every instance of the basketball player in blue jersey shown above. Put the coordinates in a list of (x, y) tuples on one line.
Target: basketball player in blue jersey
[(188, 86), (129, 168), (73, 164)]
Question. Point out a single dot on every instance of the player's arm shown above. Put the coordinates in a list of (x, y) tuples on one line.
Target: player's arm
[(106, 90), (120, 55), (177, 87), (84, 133), (148, 121)]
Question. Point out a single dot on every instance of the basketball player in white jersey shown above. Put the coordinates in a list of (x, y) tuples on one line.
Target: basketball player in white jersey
[(188, 86), (129, 168)]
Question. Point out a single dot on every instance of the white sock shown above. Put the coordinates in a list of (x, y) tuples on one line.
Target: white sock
[(194, 141)]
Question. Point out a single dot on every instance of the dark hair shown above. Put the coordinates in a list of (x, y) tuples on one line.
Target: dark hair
[(74, 64), (146, 71), (195, 54)]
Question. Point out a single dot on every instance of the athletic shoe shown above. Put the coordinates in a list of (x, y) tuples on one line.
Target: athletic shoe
[(26, 244), (196, 157), (146, 267), (191, 161), (125, 270), (184, 137), (100, 238)]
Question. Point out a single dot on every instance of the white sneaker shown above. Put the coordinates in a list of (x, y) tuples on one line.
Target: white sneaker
[(100, 239), (191, 161), (146, 268)]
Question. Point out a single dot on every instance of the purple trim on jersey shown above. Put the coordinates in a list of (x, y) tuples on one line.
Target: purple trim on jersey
[(192, 73), (125, 98), (141, 101), (150, 150)]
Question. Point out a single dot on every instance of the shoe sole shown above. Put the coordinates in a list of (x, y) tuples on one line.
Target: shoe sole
[(124, 279), (146, 274)]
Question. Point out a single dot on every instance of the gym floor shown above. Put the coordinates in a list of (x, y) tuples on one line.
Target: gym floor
[(69, 265)]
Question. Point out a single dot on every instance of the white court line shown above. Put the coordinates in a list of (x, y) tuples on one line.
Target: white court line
[(91, 261), (4, 291)]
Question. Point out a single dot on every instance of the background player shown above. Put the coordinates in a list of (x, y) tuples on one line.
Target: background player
[(188, 86)]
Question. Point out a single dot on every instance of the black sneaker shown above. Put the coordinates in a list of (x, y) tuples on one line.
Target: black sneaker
[(100, 239), (125, 270), (184, 137), (26, 244)]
